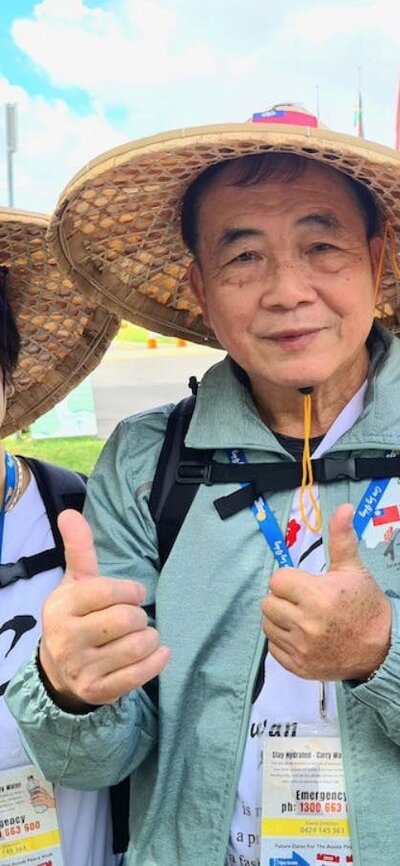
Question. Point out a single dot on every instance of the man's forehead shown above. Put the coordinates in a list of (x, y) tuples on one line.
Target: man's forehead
[(275, 168), (319, 198)]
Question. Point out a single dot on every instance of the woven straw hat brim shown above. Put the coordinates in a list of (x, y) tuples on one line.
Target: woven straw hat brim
[(64, 331), (116, 226)]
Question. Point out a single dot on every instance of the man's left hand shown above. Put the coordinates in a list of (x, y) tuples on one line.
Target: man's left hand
[(334, 626)]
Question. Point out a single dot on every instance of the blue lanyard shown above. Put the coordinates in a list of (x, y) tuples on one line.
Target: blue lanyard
[(269, 526), (9, 486)]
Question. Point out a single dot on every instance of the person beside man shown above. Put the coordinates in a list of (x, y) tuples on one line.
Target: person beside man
[(50, 338)]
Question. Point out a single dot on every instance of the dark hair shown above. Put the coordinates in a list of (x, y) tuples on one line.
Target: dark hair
[(249, 170), (10, 341)]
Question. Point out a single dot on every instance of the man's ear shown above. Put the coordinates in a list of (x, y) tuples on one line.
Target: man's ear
[(376, 252), (196, 283)]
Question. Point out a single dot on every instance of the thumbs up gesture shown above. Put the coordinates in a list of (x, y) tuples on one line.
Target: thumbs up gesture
[(330, 627), (96, 644)]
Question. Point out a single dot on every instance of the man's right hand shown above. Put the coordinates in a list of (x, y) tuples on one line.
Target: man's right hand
[(96, 644)]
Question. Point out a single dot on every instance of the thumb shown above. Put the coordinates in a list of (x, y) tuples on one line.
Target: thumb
[(343, 542), (80, 555)]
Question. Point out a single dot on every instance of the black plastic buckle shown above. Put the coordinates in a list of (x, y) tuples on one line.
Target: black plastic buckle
[(190, 472), (338, 467), (10, 572)]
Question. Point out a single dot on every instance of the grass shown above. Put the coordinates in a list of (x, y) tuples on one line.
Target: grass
[(79, 453)]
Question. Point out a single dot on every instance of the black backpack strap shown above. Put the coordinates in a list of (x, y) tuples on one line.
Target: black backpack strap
[(59, 488), (119, 798), (264, 478), (169, 499)]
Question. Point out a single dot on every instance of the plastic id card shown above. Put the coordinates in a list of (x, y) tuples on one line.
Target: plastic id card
[(304, 803), (29, 831)]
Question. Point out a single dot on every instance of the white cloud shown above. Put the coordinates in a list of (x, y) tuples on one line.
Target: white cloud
[(109, 53), (165, 64), (328, 21), (54, 142)]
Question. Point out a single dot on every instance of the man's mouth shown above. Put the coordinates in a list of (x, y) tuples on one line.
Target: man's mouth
[(292, 334)]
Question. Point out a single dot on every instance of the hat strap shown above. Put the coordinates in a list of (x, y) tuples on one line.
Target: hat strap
[(307, 479), (388, 237)]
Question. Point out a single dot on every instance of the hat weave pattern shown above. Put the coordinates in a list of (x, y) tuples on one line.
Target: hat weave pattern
[(64, 332), (117, 225)]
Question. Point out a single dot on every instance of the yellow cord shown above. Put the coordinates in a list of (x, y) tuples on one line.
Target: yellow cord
[(388, 235), (307, 480), (307, 476)]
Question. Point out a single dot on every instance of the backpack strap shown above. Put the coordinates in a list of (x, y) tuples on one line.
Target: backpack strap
[(262, 478), (170, 500), (59, 488), (119, 800)]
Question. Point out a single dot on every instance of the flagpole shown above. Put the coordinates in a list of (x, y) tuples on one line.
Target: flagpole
[(359, 120), (317, 105), (397, 118)]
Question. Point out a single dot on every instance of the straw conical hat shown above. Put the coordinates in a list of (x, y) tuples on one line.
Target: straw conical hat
[(64, 330), (116, 226)]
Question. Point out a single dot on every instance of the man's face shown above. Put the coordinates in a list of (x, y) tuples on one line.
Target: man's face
[(285, 276)]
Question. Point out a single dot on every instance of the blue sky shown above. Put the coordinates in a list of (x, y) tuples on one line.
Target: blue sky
[(87, 75)]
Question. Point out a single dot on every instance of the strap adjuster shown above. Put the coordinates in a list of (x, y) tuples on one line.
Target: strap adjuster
[(338, 467), (191, 472), (10, 572)]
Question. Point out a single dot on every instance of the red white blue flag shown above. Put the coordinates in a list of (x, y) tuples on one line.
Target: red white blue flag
[(285, 115), (390, 514)]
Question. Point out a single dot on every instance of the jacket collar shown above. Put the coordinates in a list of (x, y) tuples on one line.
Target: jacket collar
[(225, 415)]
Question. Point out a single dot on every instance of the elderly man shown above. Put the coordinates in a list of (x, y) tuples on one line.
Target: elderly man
[(245, 756)]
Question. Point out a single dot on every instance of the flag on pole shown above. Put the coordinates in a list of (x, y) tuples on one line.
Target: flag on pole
[(397, 119), (291, 114), (358, 117)]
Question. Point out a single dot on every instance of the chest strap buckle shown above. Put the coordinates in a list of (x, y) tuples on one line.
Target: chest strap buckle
[(333, 468)]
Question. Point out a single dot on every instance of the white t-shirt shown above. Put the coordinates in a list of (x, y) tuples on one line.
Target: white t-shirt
[(84, 817), (285, 700)]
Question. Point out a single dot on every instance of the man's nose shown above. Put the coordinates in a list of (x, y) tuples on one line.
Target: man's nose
[(289, 284)]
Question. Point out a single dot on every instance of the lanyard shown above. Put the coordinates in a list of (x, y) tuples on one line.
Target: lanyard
[(9, 486), (271, 530)]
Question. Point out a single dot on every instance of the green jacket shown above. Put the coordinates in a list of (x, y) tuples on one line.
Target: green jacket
[(186, 762)]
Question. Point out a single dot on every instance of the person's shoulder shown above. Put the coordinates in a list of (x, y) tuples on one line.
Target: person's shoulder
[(134, 446), (143, 430), (153, 419)]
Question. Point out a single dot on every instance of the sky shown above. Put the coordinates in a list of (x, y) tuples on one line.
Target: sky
[(88, 75)]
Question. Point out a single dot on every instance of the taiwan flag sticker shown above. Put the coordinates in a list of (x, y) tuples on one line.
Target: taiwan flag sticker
[(390, 514)]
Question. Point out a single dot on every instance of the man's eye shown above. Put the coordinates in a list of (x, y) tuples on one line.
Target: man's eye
[(323, 248), (247, 256)]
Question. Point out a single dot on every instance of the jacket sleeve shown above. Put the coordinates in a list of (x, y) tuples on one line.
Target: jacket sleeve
[(382, 692), (81, 751), (98, 748)]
